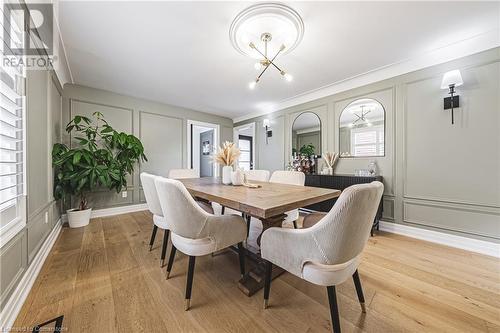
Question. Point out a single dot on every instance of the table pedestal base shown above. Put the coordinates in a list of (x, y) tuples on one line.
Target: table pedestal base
[(253, 280)]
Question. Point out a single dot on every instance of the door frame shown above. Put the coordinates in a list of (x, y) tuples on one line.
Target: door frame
[(236, 136), (189, 147)]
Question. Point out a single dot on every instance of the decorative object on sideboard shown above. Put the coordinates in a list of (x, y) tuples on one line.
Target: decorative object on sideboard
[(266, 123), (451, 80), (304, 163), (372, 168), (226, 156), (330, 161), (99, 157), (275, 26)]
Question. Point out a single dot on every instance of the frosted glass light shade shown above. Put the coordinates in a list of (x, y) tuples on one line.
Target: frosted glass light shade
[(452, 78)]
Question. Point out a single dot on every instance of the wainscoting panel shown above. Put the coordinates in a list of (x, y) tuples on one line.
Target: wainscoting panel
[(13, 263), (454, 163), (38, 229), (467, 219), (162, 139), (120, 118), (271, 155)]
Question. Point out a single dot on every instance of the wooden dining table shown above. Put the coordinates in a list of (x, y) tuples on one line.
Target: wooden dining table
[(268, 203)]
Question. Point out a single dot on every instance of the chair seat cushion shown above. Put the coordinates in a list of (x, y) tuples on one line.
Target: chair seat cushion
[(160, 222), (329, 275), (206, 206), (312, 219), (194, 247)]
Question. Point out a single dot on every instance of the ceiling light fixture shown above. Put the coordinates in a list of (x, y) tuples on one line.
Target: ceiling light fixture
[(361, 117), (261, 24)]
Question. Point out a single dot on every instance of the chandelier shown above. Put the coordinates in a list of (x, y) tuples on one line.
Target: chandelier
[(263, 32)]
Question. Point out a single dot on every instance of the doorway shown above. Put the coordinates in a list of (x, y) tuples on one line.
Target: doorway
[(203, 140), (244, 137)]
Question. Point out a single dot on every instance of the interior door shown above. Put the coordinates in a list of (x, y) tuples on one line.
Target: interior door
[(206, 151), (245, 161)]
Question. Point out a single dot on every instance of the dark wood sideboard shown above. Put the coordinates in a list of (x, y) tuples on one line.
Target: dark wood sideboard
[(340, 182)]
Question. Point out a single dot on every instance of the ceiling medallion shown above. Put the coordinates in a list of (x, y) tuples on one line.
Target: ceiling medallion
[(263, 32)]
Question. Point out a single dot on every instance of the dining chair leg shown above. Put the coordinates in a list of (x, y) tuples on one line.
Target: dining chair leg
[(153, 235), (171, 260), (223, 210), (267, 282), (334, 309), (241, 255), (359, 290), (166, 232), (189, 282)]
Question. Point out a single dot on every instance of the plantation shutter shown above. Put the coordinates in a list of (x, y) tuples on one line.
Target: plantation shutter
[(12, 134)]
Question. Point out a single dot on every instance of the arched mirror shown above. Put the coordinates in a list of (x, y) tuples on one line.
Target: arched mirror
[(362, 129), (306, 134)]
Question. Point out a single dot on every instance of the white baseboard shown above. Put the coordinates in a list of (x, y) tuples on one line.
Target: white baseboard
[(113, 211), (464, 243), (17, 298)]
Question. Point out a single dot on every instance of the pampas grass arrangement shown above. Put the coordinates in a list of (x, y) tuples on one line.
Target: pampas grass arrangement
[(227, 154), (331, 159)]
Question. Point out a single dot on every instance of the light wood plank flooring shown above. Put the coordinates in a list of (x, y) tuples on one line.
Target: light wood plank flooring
[(102, 278)]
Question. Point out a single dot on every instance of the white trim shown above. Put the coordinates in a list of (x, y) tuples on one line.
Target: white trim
[(113, 211), (18, 297), (216, 128), (464, 243), (481, 42)]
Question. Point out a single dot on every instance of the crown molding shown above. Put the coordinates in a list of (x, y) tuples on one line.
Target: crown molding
[(460, 49)]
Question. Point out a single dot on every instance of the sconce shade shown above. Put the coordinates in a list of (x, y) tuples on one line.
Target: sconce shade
[(265, 123), (452, 78)]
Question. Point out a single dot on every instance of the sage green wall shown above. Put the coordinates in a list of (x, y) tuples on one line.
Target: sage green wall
[(437, 175), (43, 120), (162, 129)]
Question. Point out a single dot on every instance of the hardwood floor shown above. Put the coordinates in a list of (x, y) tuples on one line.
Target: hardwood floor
[(103, 278)]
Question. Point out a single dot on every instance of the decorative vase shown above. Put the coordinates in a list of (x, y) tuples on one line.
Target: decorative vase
[(226, 174), (330, 171), (237, 177), (78, 218)]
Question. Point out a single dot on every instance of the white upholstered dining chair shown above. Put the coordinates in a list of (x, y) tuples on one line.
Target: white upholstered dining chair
[(190, 173), (194, 231), (257, 175), (291, 178), (159, 221), (183, 173), (329, 252)]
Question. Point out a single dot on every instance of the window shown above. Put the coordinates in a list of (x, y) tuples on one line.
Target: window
[(12, 144), (368, 141)]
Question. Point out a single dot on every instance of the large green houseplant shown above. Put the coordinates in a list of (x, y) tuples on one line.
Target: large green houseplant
[(99, 157)]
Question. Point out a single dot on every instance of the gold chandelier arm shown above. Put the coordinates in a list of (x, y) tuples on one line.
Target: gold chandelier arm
[(265, 69)]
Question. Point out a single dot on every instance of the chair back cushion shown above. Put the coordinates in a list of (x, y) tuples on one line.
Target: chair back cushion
[(342, 234), (288, 177), (182, 212), (183, 173), (257, 175), (149, 188)]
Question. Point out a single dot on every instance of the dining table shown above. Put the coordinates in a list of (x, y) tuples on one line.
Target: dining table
[(265, 201)]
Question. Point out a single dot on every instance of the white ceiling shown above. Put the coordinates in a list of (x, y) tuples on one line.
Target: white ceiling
[(179, 52)]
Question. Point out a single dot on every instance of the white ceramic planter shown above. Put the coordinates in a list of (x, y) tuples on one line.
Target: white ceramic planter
[(226, 174), (237, 177), (78, 218)]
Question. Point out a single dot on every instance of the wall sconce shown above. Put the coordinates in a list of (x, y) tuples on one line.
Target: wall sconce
[(269, 133), (451, 80)]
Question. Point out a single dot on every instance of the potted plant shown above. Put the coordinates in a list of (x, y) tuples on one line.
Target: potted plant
[(100, 157)]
